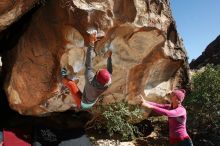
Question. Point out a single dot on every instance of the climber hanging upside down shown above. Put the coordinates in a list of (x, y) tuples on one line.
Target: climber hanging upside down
[(95, 84)]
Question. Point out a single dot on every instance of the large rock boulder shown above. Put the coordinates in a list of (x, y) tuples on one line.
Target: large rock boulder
[(148, 56), (11, 10)]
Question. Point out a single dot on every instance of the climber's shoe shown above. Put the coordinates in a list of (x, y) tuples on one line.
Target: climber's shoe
[(64, 72)]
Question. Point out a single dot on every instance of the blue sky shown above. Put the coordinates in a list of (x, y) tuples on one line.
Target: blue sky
[(198, 23)]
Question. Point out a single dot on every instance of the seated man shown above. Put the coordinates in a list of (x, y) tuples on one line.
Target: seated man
[(95, 84)]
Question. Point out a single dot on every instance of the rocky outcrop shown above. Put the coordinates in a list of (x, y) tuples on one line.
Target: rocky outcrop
[(10, 11), (148, 56), (211, 55)]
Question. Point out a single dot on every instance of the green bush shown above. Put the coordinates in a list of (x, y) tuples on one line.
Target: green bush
[(203, 103), (118, 118)]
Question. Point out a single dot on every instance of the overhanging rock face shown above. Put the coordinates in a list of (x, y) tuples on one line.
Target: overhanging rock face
[(12, 10), (148, 56)]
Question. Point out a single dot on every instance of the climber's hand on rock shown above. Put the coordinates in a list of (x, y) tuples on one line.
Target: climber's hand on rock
[(145, 103), (91, 37), (109, 53)]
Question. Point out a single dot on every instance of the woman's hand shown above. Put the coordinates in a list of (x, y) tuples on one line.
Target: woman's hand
[(91, 37), (109, 53), (145, 103)]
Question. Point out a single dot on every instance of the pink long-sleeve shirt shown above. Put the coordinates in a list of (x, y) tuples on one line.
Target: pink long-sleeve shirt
[(176, 120)]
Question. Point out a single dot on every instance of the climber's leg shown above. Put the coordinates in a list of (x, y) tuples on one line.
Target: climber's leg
[(74, 90)]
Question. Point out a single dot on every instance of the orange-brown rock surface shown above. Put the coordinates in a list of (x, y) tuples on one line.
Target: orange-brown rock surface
[(12, 10), (148, 56)]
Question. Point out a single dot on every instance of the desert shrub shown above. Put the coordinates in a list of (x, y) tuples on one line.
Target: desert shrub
[(203, 103), (119, 118)]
